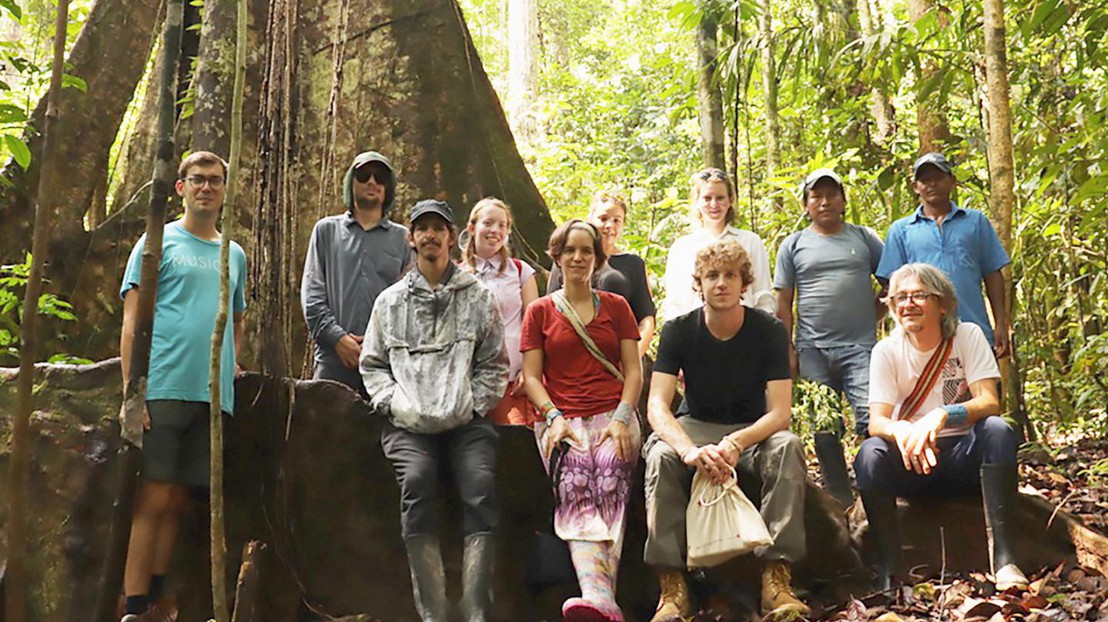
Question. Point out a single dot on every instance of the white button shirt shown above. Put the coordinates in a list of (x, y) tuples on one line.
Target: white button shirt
[(681, 298)]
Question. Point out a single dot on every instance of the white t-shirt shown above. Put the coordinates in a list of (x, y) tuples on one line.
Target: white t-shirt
[(681, 262), (896, 366)]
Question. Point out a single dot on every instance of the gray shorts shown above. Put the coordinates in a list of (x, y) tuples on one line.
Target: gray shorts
[(177, 447)]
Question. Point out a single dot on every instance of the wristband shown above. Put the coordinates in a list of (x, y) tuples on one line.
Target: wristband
[(547, 407), (624, 413), (551, 415), (956, 414)]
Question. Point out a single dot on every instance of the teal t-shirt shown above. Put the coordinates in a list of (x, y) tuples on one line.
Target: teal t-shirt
[(184, 316)]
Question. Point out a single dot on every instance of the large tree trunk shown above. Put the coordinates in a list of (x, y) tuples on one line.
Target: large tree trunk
[(407, 81), (523, 62), (709, 97), (110, 55), (883, 113), (769, 89), (934, 132)]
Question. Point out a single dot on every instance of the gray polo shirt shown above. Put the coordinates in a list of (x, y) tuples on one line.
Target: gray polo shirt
[(347, 267), (832, 275)]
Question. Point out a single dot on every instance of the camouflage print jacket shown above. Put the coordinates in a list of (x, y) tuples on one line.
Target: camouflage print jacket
[(434, 358)]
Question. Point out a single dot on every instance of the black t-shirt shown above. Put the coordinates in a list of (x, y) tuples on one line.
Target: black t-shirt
[(623, 274), (725, 381)]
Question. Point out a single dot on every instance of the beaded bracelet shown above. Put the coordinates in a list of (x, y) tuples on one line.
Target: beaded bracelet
[(551, 415)]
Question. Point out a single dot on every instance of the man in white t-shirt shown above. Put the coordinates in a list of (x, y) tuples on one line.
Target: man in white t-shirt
[(933, 421)]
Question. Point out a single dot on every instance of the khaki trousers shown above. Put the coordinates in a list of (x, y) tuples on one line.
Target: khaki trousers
[(772, 474)]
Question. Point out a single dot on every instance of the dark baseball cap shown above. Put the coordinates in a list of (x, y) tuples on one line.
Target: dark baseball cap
[(814, 177), (935, 159), (431, 206)]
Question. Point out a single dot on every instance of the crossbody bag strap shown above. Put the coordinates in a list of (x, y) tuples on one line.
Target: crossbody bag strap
[(566, 309), (927, 380)]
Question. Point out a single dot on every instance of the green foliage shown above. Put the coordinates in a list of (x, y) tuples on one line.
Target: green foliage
[(617, 109), (25, 67), (13, 280)]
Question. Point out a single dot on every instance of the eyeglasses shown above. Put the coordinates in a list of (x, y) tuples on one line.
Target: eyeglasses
[(916, 297), (198, 181), (364, 173)]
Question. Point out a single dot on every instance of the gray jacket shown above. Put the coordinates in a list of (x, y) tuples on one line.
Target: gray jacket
[(434, 358)]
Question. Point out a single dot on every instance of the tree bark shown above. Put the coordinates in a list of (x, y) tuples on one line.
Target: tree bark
[(248, 589), (934, 131), (1002, 181), (769, 89), (110, 55), (709, 96), (218, 536), (883, 113), (134, 394), (523, 62), (17, 591)]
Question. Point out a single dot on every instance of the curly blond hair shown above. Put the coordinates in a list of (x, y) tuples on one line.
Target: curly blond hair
[(720, 255)]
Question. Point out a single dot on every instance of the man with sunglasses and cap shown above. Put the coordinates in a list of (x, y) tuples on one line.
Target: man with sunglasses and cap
[(434, 364), (352, 258), (961, 242), (828, 270)]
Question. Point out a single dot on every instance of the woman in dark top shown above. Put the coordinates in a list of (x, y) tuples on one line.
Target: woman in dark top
[(624, 273)]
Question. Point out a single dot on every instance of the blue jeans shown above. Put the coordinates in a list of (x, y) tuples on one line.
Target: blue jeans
[(846, 370), (991, 441)]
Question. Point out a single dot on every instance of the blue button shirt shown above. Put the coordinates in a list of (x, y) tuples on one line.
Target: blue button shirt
[(965, 247)]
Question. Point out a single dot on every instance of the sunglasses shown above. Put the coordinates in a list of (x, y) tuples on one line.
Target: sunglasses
[(363, 174), (712, 173)]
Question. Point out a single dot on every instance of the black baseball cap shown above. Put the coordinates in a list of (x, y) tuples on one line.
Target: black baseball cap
[(431, 206), (935, 159)]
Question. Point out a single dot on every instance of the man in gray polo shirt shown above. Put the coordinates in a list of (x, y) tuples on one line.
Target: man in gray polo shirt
[(351, 259), (828, 269)]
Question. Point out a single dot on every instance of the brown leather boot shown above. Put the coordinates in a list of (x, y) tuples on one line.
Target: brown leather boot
[(777, 591), (673, 604)]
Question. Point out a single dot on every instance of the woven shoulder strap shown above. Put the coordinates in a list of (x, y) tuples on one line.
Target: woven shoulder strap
[(927, 380), (566, 309)]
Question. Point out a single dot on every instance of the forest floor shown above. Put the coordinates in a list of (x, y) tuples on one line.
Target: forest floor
[(1073, 477)]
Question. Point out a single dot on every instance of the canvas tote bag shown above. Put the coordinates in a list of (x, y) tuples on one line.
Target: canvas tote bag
[(721, 523)]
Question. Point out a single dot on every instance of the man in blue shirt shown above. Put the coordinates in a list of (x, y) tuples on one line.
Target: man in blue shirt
[(352, 258), (961, 242), (176, 449)]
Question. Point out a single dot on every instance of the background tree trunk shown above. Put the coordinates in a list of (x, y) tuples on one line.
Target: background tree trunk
[(1002, 181), (17, 593), (218, 535), (709, 96), (883, 113), (769, 89), (523, 63), (934, 132)]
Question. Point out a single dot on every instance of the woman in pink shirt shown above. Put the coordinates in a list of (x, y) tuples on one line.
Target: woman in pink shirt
[(486, 254)]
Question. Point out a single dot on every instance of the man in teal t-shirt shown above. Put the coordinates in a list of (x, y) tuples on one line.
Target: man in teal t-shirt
[(176, 450)]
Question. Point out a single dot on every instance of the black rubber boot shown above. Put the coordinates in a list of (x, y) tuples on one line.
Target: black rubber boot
[(998, 492), (883, 520), (477, 576), (428, 578), (832, 466)]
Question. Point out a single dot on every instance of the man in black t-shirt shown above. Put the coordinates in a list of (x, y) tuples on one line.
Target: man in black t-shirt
[(736, 412)]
